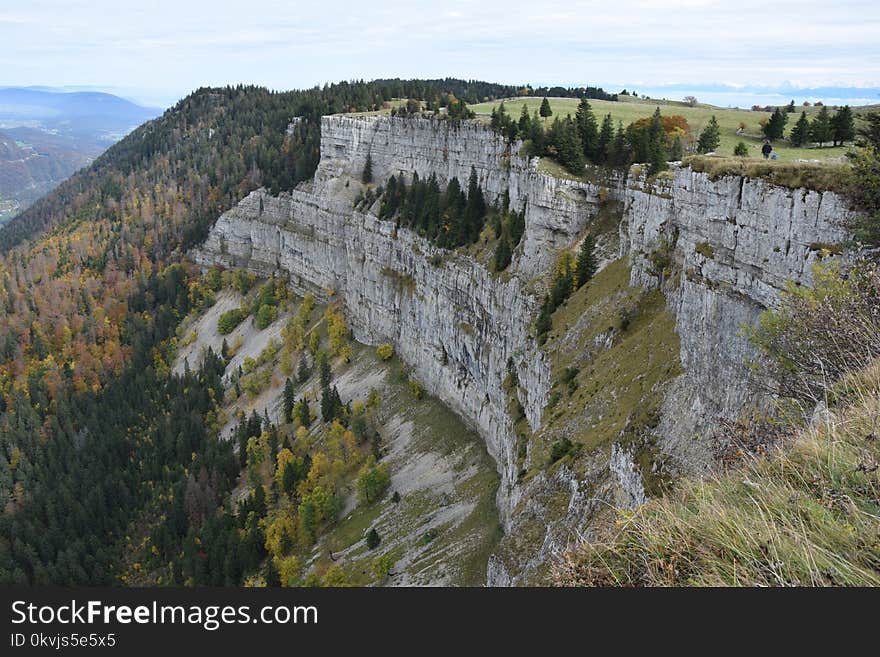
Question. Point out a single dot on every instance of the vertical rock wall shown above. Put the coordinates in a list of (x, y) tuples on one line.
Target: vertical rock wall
[(735, 243)]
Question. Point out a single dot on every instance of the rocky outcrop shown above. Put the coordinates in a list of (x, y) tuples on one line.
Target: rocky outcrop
[(557, 210), (731, 245)]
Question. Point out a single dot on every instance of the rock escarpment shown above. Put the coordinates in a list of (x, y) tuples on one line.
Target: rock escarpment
[(451, 320), (463, 330), (732, 244)]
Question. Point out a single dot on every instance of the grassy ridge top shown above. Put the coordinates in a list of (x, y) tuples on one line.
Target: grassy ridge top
[(697, 117)]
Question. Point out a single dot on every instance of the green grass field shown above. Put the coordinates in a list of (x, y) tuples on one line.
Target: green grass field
[(633, 109)]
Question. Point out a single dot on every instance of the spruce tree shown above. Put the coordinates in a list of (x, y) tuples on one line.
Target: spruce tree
[(606, 137), (288, 400), (367, 176), (775, 126), (475, 210), (302, 370), (536, 134), (800, 133), (545, 110), (820, 128), (586, 262), (569, 146), (525, 122), (545, 320), (587, 129), (324, 369), (842, 126), (619, 150), (502, 254), (870, 133), (710, 137), (657, 144), (303, 413)]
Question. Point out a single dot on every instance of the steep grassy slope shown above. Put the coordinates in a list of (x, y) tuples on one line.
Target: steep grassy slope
[(614, 351), (806, 513)]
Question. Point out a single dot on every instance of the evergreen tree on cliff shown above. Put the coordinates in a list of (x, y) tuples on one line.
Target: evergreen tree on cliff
[(657, 144), (502, 254), (367, 176), (289, 400), (475, 211), (569, 146), (710, 137), (545, 110), (606, 137), (586, 262), (588, 129)]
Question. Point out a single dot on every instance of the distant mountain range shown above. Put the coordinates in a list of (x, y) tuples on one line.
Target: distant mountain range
[(46, 135)]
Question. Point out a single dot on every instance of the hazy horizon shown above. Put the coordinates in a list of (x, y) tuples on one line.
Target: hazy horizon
[(158, 53)]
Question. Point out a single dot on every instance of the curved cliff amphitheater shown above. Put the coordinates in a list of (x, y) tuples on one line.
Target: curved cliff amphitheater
[(638, 366)]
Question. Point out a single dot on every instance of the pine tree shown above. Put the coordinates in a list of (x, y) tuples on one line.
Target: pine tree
[(842, 126), (606, 137), (502, 254), (619, 151), (800, 133), (303, 413), (775, 126), (302, 371), (525, 122), (568, 145), (373, 539), (545, 321), (586, 262), (587, 129), (545, 110), (710, 137), (367, 176), (870, 133), (820, 128), (657, 144), (288, 400), (475, 210), (324, 369)]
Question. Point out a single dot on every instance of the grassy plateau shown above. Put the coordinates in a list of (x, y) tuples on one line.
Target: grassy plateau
[(729, 120)]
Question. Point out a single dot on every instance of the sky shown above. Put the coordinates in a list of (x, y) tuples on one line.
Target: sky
[(157, 51)]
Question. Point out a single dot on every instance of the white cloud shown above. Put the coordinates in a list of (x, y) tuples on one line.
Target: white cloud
[(169, 47)]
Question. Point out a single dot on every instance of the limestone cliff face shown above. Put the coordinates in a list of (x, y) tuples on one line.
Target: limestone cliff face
[(556, 209), (453, 322), (735, 242), (458, 326)]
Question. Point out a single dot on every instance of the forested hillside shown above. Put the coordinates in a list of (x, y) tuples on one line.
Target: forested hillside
[(92, 286)]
